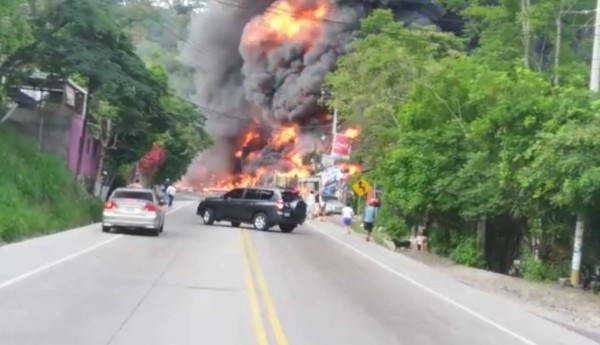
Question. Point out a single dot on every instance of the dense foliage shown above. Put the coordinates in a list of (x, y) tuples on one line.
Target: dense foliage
[(489, 140), (133, 104)]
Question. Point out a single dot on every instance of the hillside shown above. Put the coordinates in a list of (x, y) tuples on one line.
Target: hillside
[(38, 195)]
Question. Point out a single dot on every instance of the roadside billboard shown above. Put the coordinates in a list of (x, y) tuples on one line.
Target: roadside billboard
[(341, 147)]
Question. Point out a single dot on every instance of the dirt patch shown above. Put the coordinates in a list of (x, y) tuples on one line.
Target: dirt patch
[(574, 308)]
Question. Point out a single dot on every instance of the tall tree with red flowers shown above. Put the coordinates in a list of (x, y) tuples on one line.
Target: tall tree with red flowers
[(152, 161)]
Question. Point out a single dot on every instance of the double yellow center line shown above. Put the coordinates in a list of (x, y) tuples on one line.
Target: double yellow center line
[(252, 272)]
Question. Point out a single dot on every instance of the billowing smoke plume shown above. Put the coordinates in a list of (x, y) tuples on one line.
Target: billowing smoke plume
[(249, 65)]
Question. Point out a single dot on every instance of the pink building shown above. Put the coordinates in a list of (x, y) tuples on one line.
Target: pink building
[(51, 112), (89, 156)]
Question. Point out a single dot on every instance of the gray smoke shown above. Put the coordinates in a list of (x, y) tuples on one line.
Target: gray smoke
[(274, 82)]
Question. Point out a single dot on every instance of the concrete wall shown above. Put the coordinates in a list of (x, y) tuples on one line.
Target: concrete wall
[(56, 129)]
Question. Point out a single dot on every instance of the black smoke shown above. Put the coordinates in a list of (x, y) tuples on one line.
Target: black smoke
[(278, 84)]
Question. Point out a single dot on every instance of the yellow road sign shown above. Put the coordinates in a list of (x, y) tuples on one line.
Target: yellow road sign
[(361, 187)]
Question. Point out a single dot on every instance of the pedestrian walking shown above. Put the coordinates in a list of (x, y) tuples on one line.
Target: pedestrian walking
[(369, 220), (171, 191), (347, 215), (166, 185)]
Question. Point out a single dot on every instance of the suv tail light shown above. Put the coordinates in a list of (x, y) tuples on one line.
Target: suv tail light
[(150, 207), (280, 204), (110, 205)]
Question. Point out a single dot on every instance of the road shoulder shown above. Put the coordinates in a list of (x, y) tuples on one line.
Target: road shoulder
[(576, 309), (21, 260), (496, 306)]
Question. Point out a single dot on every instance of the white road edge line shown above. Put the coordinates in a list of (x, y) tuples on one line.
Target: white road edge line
[(40, 269), (426, 288)]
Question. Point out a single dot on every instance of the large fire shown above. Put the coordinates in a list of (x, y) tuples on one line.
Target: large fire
[(268, 151), (286, 20)]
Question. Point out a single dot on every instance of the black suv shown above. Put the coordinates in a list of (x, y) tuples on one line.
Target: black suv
[(262, 207)]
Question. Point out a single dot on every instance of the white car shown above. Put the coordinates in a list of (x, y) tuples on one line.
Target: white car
[(134, 208), (333, 205)]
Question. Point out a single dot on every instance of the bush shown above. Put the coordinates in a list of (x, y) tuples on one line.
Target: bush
[(464, 252), (38, 195), (537, 270)]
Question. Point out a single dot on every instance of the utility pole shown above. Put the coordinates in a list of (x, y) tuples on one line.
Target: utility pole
[(580, 222), (595, 72), (335, 119)]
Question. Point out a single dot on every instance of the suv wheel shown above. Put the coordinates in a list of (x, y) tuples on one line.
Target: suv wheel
[(260, 221), (287, 228), (105, 228), (208, 216)]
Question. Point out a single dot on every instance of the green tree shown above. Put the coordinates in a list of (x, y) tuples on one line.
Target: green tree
[(370, 83)]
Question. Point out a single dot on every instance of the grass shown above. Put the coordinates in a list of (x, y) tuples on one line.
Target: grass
[(378, 236), (38, 195)]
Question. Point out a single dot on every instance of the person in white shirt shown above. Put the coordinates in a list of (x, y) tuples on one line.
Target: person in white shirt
[(347, 214), (171, 190), (310, 203)]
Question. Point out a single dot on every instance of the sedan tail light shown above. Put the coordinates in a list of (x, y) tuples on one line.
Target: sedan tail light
[(110, 205), (150, 207)]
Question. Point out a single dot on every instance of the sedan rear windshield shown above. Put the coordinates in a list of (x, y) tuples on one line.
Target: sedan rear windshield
[(121, 194)]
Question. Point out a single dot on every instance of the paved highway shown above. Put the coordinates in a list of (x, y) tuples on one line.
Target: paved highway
[(221, 285)]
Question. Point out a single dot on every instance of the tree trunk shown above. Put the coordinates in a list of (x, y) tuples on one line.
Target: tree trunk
[(99, 173), (481, 235)]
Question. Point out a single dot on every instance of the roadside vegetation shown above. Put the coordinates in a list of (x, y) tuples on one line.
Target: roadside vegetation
[(138, 91), (38, 194), (125, 54), (488, 138)]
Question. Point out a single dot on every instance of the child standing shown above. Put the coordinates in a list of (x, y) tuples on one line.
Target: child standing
[(347, 214)]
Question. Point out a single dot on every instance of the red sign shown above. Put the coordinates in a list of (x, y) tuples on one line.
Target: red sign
[(342, 145)]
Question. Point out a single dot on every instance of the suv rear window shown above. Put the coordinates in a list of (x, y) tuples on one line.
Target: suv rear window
[(289, 196), (121, 194)]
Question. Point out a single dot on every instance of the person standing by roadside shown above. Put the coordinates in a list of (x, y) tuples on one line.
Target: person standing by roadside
[(310, 203), (369, 220), (422, 240), (171, 191), (347, 214), (136, 184), (317, 207), (321, 205)]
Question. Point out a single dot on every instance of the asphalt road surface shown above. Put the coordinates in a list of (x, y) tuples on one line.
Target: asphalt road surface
[(227, 286)]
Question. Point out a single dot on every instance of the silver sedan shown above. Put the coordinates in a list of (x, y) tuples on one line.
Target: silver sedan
[(134, 208), (333, 205)]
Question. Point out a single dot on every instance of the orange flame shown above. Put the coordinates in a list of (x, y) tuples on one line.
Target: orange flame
[(352, 133), (285, 135), (292, 165), (285, 20)]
